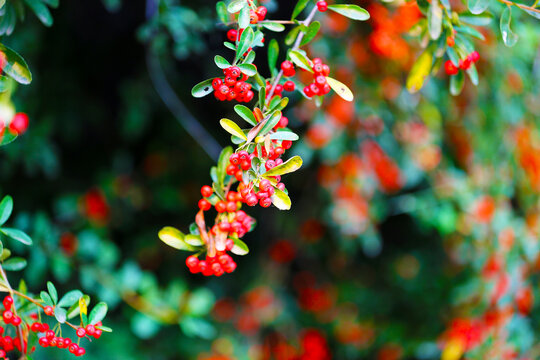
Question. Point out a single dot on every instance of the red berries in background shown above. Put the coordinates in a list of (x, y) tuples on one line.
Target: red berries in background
[(450, 68), (19, 123)]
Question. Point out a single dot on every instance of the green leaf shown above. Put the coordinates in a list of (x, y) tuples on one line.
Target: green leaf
[(104, 328), (246, 114), (287, 167), (75, 309), (202, 89), (248, 69), (291, 35), (60, 314), (270, 123), (240, 247), (435, 16), (477, 6), (354, 12), (41, 10), (70, 298), (300, 6), (272, 26), (478, 20), (470, 31), (6, 207), (452, 55), (420, 71), (17, 234), (311, 32), (194, 240), (532, 13), (221, 62), (243, 18), (14, 264), (300, 60), (262, 96), (7, 138), (284, 135), (46, 298), (233, 129), (98, 313), (341, 89), (250, 57), (174, 238), (456, 83), (15, 66), (273, 53), (221, 10), (223, 162), (236, 5), (52, 3), (509, 37), (281, 200), (245, 42), (52, 292), (473, 74)]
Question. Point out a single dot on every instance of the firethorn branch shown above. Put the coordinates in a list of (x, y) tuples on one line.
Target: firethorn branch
[(11, 291)]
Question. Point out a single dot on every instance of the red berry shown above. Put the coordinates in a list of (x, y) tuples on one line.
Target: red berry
[(224, 226), (191, 262), (465, 64), (221, 206), (450, 68), (325, 70), (81, 332), (229, 244), (206, 191), (232, 35), (49, 334), (19, 123), (261, 12), (474, 56), (322, 6), (245, 165), (450, 41), (216, 83), (8, 301), (231, 206), (91, 329), (36, 327), (318, 69), (314, 89), (98, 333), (286, 144), (231, 170), (80, 352), (249, 96), (204, 205), (234, 72), (288, 86), (229, 267), (8, 316), (73, 348), (266, 202), (251, 200), (16, 321), (43, 342), (269, 164), (308, 92), (253, 18), (320, 80), (234, 159), (264, 184)]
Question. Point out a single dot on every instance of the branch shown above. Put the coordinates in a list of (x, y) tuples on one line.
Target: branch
[(521, 6)]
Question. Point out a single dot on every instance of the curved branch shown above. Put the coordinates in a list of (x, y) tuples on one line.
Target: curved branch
[(521, 6)]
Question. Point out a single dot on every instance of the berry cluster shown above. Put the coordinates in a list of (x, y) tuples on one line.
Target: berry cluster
[(213, 265), (319, 86), (17, 126), (464, 64), (233, 86), (257, 15)]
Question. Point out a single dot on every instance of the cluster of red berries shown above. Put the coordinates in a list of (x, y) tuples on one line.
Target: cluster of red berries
[(8, 316), (7, 344), (257, 15), (233, 86), (322, 6), (464, 64), (216, 265), (17, 126), (319, 86)]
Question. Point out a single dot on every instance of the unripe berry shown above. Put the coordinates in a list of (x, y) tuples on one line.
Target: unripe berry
[(450, 41), (206, 191)]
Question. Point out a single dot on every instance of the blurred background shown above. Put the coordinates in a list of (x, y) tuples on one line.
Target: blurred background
[(414, 227)]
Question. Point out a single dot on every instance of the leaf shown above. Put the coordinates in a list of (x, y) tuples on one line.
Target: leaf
[(194, 240), (478, 20), (6, 207), (532, 13), (354, 12), (7, 138), (243, 18), (270, 123), (221, 62), (233, 129), (14, 264), (222, 164), (300, 60), (281, 200), (435, 16), (202, 89), (456, 83), (246, 114), (250, 57), (470, 31), (248, 69), (300, 6), (104, 328), (311, 32), (174, 238), (272, 26), (70, 298), (236, 5), (420, 71), (509, 37), (41, 10), (46, 298), (341, 89), (245, 42), (18, 235), (52, 3), (98, 313), (15, 66), (83, 306), (240, 247), (287, 167), (52, 292), (473, 74), (292, 34), (477, 6), (60, 314), (273, 53), (221, 10), (74, 310), (283, 135)]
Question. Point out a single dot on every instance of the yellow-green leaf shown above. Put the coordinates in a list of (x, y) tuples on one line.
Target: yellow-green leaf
[(420, 71), (233, 129), (340, 89), (287, 167), (281, 200), (174, 238)]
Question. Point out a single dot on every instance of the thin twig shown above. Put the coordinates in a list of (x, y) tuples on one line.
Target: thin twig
[(521, 6)]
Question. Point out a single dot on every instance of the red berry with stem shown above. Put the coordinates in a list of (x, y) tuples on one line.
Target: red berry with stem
[(97, 333), (221, 206), (73, 348), (43, 341), (16, 321), (81, 332), (266, 202), (8, 316), (191, 262), (8, 301), (322, 6), (206, 191), (288, 85), (204, 205), (80, 352)]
